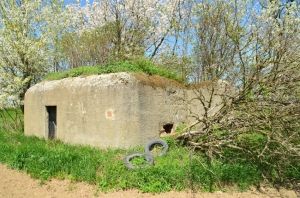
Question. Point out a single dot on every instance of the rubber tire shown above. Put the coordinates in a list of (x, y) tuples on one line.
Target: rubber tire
[(150, 144), (128, 158)]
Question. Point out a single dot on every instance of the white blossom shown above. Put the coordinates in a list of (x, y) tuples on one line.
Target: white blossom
[(155, 18), (29, 31)]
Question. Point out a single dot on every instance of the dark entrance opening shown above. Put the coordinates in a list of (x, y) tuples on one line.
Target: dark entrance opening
[(51, 110), (168, 127)]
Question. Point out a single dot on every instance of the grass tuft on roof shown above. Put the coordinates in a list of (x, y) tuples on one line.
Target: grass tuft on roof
[(132, 66)]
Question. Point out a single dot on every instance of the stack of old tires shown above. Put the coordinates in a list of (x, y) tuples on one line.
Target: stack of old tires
[(147, 155)]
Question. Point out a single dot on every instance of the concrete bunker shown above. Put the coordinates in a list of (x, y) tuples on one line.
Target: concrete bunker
[(117, 110)]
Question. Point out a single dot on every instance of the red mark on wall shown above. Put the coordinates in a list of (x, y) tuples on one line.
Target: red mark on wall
[(109, 114)]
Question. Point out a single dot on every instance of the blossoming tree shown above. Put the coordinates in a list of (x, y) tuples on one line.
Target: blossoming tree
[(136, 27), (29, 31)]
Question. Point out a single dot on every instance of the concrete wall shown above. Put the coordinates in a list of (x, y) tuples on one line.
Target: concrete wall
[(111, 110)]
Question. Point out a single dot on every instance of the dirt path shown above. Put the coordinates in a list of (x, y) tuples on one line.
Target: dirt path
[(17, 184)]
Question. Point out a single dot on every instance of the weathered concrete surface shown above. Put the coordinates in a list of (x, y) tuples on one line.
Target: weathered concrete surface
[(112, 110)]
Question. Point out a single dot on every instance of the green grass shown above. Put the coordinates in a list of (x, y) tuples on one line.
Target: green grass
[(11, 120), (178, 170), (135, 66)]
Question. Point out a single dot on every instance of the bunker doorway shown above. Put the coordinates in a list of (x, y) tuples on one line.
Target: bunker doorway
[(51, 110)]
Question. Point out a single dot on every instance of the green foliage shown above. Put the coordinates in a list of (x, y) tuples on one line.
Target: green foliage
[(252, 140), (218, 174), (135, 66), (249, 152), (180, 169), (11, 120), (180, 127), (139, 161), (176, 171), (91, 47)]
